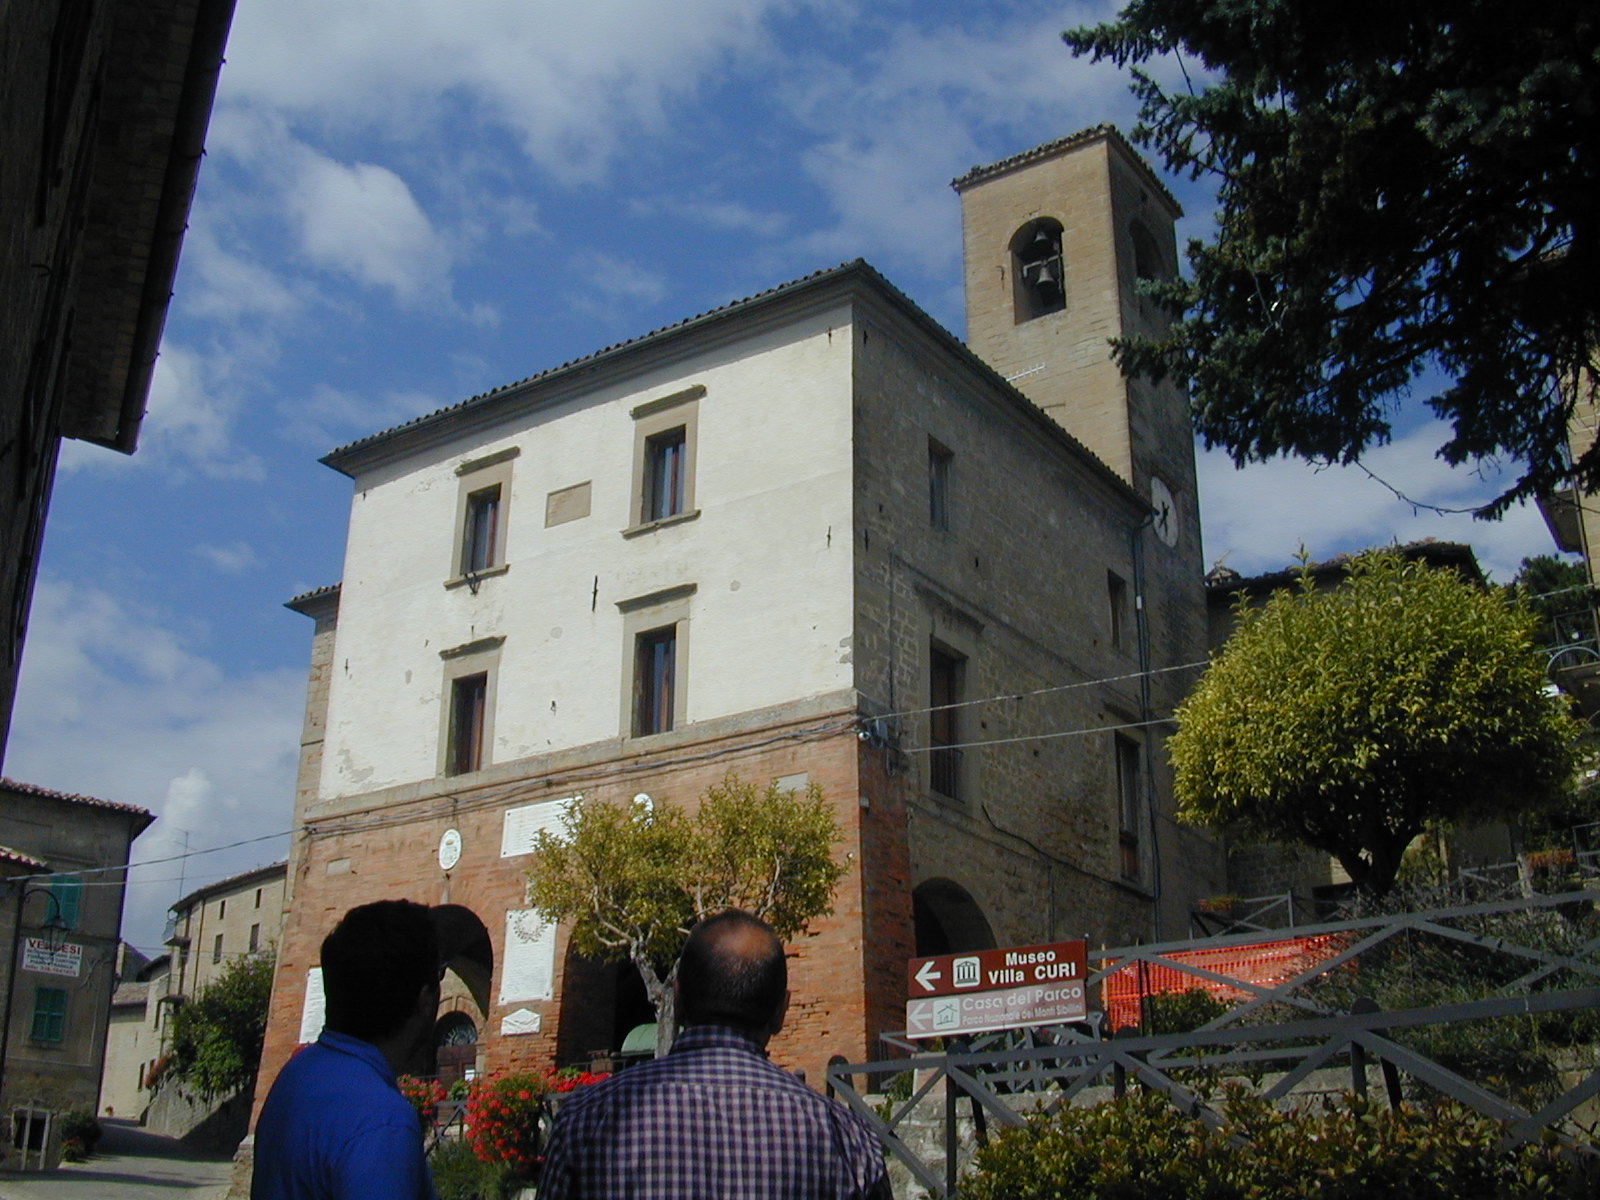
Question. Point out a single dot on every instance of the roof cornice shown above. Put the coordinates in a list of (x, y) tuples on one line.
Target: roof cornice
[(1084, 137)]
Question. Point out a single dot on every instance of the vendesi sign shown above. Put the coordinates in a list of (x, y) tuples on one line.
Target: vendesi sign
[(997, 989), (52, 958)]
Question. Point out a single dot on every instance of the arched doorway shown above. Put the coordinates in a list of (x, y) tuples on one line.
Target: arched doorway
[(455, 1043), (947, 920), (601, 1003), (467, 956)]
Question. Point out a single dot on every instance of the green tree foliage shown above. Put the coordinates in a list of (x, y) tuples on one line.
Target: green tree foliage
[(1348, 718), (1557, 593), (1403, 187), (216, 1037), (633, 879), (1347, 1149)]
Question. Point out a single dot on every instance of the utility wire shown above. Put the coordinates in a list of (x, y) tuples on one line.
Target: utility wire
[(1037, 737), (1044, 691)]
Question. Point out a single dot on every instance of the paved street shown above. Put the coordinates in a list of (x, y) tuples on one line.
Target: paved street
[(128, 1163)]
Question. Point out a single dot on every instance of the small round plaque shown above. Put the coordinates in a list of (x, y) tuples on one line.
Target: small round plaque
[(449, 849)]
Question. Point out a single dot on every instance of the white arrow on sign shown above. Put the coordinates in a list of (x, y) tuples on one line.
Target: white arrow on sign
[(919, 1015), (926, 974)]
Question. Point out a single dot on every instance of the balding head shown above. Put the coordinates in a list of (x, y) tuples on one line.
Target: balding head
[(732, 972)]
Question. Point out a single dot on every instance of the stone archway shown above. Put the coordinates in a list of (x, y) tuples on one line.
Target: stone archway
[(467, 956), (947, 920), (602, 1002), (455, 1043)]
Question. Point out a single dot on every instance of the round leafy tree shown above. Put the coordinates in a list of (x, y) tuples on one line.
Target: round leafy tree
[(1348, 718)]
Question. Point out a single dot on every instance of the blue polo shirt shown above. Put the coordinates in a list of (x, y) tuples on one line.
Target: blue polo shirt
[(335, 1127)]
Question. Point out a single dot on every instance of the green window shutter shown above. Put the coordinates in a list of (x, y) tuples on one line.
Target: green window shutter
[(49, 1015), (66, 893)]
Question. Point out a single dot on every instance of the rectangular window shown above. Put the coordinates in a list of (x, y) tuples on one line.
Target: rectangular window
[(216, 949), (664, 432), (65, 896), (1130, 804), (469, 697), (483, 499), (938, 485), (258, 897), (654, 680), (255, 938), (665, 463), (49, 1015), (1117, 602), (944, 722), (478, 536), (222, 909)]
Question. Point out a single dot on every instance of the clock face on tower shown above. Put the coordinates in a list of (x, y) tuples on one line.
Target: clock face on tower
[(1165, 521)]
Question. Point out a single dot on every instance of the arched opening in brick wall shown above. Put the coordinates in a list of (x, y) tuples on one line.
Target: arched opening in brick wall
[(947, 920), (601, 1003), (455, 1045)]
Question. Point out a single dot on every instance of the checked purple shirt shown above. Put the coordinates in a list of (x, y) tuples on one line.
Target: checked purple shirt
[(713, 1120)]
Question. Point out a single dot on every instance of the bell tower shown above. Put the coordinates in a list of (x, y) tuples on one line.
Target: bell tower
[(1055, 241)]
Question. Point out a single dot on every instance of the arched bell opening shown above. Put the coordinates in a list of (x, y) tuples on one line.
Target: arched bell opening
[(1038, 270)]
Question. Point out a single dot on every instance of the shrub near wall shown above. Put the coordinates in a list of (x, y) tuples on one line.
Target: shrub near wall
[(1141, 1148)]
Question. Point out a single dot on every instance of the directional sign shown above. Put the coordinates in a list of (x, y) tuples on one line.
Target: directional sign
[(995, 970), (996, 989), (1012, 1008)]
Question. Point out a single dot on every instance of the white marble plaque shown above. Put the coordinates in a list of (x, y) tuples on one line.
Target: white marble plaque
[(524, 1020), (530, 957), (523, 824), (315, 1010)]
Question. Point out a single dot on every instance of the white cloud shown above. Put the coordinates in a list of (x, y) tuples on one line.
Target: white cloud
[(572, 82), (1255, 519), (223, 285), (612, 278), (362, 220), (331, 417), (928, 106), (234, 559), (116, 702), (188, 424)]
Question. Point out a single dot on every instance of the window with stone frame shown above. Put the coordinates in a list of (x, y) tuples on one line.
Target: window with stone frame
[(655, 680), (469, 701), (665, 435)]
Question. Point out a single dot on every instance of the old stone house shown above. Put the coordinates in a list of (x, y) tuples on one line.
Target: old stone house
[(60, 926), (808, 537), (208, 930)]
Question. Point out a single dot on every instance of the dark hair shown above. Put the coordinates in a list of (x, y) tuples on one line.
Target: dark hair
[(732, 972), (374, 964)]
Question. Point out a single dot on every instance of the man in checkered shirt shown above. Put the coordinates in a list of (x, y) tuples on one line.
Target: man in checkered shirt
[(714, 1120)]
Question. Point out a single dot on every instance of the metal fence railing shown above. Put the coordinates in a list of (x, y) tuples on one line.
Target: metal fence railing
[(1537, 959)]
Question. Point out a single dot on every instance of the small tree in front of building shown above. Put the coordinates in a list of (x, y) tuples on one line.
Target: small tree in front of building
[(1349, 718), (634, 878), (216, 1037)]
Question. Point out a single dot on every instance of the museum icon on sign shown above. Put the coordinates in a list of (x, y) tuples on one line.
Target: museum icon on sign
[(965, 972)]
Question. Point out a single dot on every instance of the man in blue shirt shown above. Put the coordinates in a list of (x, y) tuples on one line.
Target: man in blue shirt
[(335, 1126), (714, 1120)]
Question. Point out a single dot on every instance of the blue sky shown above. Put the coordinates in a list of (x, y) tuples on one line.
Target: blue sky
[(405, 203)]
